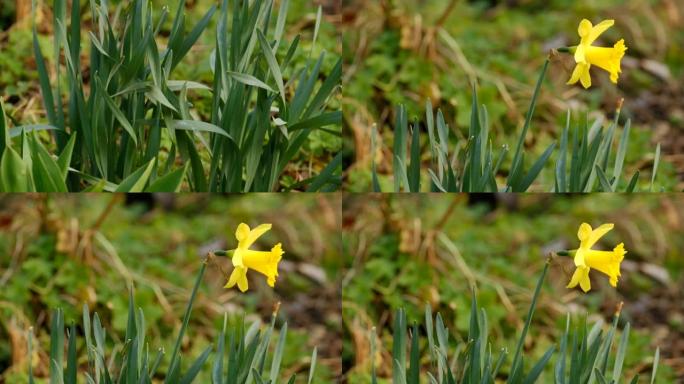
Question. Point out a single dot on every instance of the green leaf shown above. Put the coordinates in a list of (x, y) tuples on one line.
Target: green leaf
[(515, 165), (656, 360), (170, 182), (64, 159), (249, 80), (272, 64), (656, 161), (13, 172), (603, 180), (116, 111), (535, 169), (198, 126), (633, 182), (16, 131), (196, 366), (137, 180), (47, 174), (4, 137), (177, 85), (327, 175)]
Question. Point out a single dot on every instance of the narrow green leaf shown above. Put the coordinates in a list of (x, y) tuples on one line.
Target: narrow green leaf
[(137, 180), (327, 175), (632, 183), (535, 169), (528, 120), (170, 182), (64, 159), (198, 126), (177, 85), (196, 366), (249, 80), (620, 354), (656, 360), (47, 174), (603, 180), (4, 130), (116, 111), (656, 161), (13, 172), (538, 368), (186, 320), (272, 64)]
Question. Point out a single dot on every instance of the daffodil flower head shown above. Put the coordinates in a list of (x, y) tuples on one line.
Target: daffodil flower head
[(264, 262), (587, 55), (607, 262)]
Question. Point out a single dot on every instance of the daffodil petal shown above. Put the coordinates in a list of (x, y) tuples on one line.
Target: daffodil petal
[(253, 235), (584, 232), (242, 232), (598, 29), (596, 234), (584, 28), (585, 77), (242, 283), (235, 277), (585, 282), (581, 274), (575, 74), (579, 54)]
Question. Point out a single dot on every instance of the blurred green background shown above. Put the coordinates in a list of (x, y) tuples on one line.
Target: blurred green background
[(409, 51), (19, 85), (406, 251), (155, 244)]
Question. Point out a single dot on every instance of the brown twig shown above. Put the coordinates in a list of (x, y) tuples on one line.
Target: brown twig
[(442, 221), (106, 212), (442, 19)]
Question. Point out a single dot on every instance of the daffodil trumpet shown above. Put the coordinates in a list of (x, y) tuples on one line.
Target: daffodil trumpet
[(587, 55), (585, 258), (244, 259)]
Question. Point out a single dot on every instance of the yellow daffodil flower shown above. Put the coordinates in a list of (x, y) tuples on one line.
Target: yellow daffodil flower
[(587, 55), (586, 258), (244, 258)]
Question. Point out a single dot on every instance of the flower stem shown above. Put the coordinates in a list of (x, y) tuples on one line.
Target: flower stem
[(186, 319), (517, 363)]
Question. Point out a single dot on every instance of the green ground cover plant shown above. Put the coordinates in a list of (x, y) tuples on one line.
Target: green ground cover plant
[(240, 354), (412, 52), (412, 251), (83, 250), (584, 355), (583, 162), (131, 126)]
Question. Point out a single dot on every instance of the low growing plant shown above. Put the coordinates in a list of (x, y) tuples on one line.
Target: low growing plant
[(241, 355), (585, 355), (126, 124), (474, 165)]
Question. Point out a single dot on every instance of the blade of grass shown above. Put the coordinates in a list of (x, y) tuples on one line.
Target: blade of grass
[(656, 161), (516, 365), (186, 319), (528, 120)]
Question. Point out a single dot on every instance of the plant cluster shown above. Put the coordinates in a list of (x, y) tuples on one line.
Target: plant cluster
[(127, 124), (240, 354), (584, 355), (586, 160)]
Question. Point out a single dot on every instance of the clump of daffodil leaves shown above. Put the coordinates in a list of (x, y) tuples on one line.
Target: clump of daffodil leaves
[(243, 258), (587, 54), (607, 262)]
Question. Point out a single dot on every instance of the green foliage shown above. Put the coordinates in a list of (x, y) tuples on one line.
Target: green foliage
[(239, 357), (405, 53), (127, 126), (584, 356), (474, 166)]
